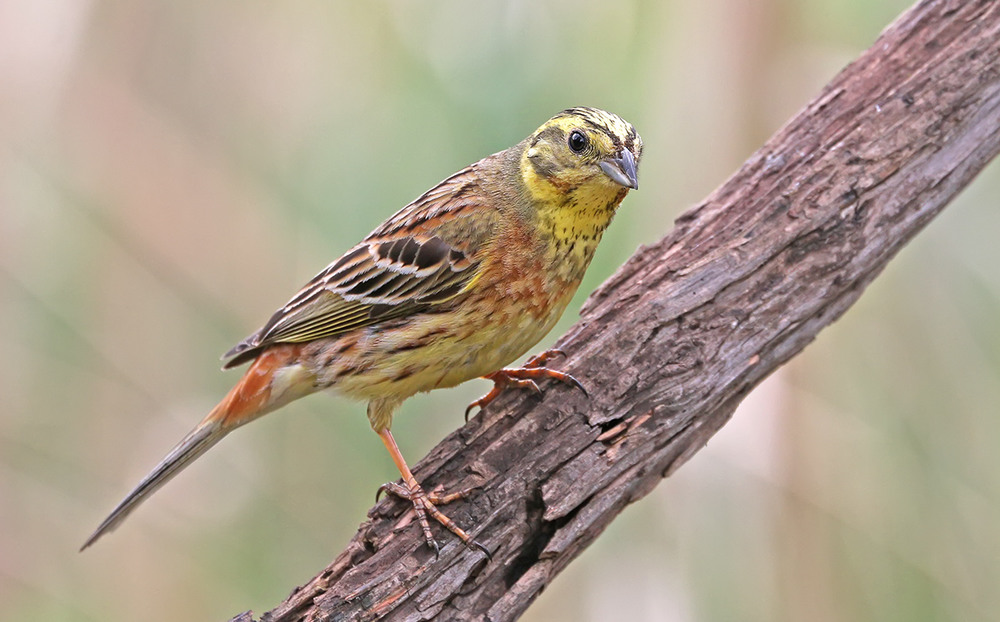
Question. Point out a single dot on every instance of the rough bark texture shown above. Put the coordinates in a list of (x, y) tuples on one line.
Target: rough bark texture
[(671, 343)]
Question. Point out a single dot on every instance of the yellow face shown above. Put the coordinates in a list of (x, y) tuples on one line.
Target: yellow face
[(582, 155)]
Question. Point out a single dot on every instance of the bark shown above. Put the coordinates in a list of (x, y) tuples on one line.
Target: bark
[(671, 343)]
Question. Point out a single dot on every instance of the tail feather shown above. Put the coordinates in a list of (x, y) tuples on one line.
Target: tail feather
[(197, 442), (270, 382)]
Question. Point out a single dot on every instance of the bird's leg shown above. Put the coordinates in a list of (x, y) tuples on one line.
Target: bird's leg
[(423, 503), (524, 378)]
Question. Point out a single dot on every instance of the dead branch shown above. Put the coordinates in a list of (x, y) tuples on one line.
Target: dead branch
[(687, 327)]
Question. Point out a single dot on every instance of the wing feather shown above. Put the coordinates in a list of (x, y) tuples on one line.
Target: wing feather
[(410, 264)]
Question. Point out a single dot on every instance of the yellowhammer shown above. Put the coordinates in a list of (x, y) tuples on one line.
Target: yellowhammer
[(457, 284)]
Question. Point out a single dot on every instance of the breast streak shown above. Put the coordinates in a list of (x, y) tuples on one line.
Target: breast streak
[(525, 290)]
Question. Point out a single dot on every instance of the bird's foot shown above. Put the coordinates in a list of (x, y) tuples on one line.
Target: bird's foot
[(424, 505), (524, 378)]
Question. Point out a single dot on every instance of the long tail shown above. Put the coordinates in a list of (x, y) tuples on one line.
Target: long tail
[(269, 383)]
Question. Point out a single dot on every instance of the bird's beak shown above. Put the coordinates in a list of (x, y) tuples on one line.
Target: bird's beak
[(621, 169)]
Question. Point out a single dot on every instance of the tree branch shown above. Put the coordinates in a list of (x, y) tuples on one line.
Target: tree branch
[(687, 327)]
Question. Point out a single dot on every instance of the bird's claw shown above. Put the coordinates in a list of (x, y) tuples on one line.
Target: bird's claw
[(424, 505), (524, 378), (539, 360)]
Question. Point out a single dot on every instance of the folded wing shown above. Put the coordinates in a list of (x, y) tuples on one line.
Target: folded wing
[(399, 270)]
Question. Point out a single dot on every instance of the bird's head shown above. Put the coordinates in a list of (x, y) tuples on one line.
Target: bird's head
[(582, 155)]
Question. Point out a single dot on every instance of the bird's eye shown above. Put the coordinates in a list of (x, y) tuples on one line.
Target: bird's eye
[(578, 141)]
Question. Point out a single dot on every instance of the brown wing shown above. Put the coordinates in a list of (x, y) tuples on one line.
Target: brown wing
[(422, 257)]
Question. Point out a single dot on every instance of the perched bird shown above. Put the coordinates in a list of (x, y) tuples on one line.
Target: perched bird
[(457, 284)]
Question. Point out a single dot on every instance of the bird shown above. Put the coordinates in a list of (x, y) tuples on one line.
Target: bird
[(457, 285)]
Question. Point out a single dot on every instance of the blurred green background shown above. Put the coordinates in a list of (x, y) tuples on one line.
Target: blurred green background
[(171, 172)]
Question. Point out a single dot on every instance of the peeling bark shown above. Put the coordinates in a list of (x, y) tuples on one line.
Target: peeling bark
[(670, 344)]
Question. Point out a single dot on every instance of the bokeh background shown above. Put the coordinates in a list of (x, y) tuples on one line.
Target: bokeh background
[(171, 172)]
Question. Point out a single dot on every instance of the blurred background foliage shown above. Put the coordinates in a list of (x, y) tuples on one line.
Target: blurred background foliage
[(171, 172)]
